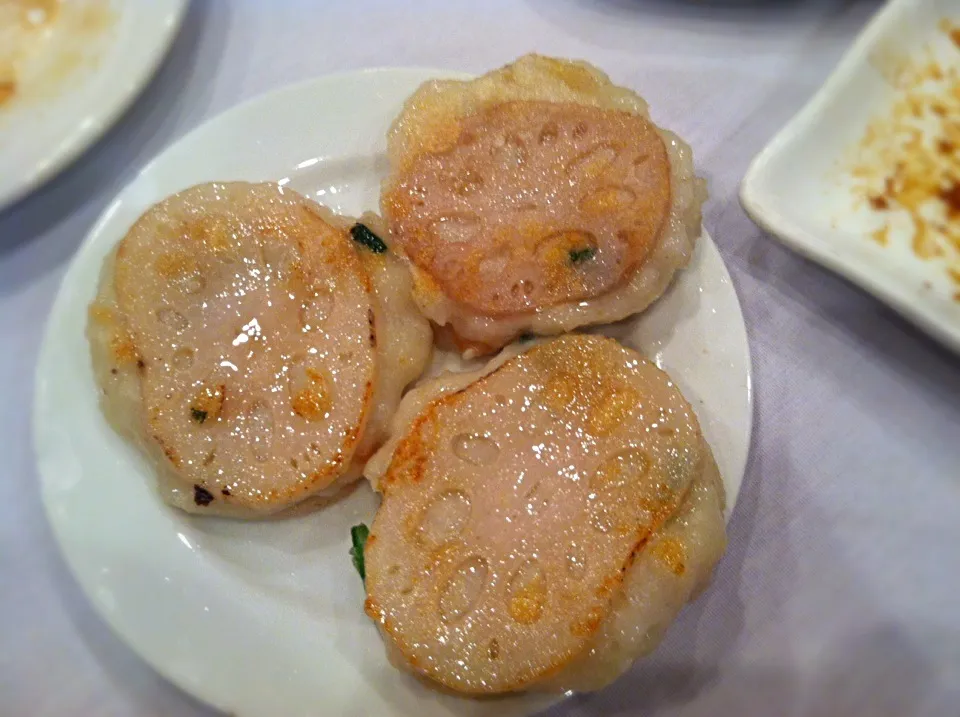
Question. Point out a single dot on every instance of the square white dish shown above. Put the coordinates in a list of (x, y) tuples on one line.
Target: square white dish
[(802, 187)]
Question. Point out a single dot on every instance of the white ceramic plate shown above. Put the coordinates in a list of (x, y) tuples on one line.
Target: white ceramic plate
[(266, 618), (65, 109), (800, 188)]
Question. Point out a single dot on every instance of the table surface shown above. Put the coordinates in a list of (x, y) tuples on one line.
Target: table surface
[(838, 592)]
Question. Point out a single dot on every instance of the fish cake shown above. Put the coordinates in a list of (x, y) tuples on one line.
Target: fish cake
[(537, 198), (239, 336), (541, 522)]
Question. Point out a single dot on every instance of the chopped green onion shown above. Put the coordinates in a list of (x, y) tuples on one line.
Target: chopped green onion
[(358, 536), (362, 235), (580, 255)]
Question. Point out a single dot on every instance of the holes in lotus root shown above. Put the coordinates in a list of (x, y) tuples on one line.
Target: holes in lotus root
[(180, 268), (522, 290), (463, 590), (545, 167), (468, 183), (183, 358), (444, 518), (309, 459), (288, 255), (193, 284), (559, 392), (527, 593), (492, 267), (607, 199), (632, 464), (315, 310), (311, 396), (615, 487), (173, 265), (456, 228), (173, 320), (612, 410), (512, 154), (592, 163), (548, 133), (474, 448)]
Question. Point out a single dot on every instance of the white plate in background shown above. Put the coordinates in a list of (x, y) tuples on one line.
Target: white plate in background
[(800, 188), (95, 58), (262, 619)]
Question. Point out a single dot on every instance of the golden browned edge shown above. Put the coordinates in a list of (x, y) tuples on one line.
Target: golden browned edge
[(412, 450), (328, 474)]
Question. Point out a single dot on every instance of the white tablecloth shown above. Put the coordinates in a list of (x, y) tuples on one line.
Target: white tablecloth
[(839, 592)]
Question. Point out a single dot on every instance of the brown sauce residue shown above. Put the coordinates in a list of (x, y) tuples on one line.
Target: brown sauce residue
[(950, 196), (22, 24), (908, 160), (8, 88), (43, 42)]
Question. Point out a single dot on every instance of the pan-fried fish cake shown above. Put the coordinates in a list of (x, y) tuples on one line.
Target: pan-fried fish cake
[(539, 197), (236, 338), (541, 525)]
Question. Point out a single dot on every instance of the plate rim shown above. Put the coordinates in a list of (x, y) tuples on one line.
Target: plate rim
[(85, 135), (881, 283), (40, 391)]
